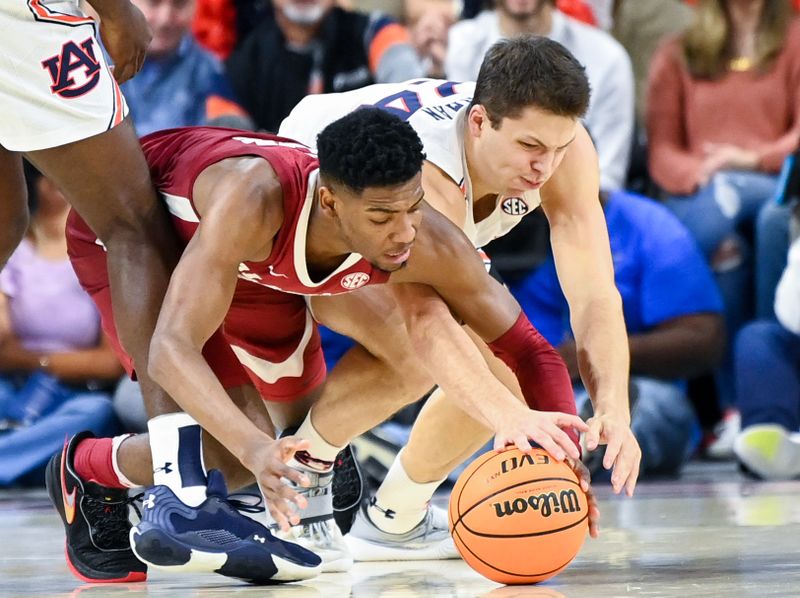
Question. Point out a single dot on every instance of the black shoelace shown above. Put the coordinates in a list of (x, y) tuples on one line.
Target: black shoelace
[(109, 519), (248, 503)]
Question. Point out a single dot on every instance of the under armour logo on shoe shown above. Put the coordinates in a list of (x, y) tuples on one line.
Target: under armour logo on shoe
[(388, 513), (258, 538), (150, 502), (167, 468)]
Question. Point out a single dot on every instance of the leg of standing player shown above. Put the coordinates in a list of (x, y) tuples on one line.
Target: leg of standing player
[(106, 179), (13, 203)]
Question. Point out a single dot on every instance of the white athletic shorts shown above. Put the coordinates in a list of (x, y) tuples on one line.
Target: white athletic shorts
[(55, 84)]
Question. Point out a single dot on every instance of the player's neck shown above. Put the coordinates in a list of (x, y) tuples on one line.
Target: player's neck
[(480, 188), (325, 246), (538, 23)]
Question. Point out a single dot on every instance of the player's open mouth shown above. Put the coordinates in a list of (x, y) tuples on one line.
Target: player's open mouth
[(399, 257)]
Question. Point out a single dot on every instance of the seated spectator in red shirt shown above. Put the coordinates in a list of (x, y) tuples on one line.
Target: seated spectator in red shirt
[(723, 112)]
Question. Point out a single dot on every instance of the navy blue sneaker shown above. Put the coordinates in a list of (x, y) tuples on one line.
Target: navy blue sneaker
[(215, 537)]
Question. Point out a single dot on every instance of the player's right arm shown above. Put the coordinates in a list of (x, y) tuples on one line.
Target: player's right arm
[(125, 34), (445, 266), (198, 298)]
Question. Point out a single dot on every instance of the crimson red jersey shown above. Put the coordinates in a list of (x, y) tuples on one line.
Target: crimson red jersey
[(177, 156)]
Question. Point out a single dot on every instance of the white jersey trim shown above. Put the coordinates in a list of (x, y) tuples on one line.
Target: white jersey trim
[(181, 207), (301, 232), (291, 367)]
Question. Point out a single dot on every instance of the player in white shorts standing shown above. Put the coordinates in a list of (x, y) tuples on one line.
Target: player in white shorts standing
[(61, 108), (490, 160)]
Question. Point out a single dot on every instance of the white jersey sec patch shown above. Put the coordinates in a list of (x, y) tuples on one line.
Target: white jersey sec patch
[(436, 109), (55, 84)]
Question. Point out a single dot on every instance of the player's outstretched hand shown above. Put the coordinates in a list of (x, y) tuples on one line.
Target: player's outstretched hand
[(585, 480), (622, 450), (269, 467), (125, 35), (543, 427)]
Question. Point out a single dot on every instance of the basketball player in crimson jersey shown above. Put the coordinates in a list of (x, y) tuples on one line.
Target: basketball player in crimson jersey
[(264, 226), (495, 150)]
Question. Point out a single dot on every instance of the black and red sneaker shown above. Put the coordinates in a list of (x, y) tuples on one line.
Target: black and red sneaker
[(96, 521)]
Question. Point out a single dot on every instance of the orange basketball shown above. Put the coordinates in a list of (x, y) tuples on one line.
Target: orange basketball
[(518, 518)]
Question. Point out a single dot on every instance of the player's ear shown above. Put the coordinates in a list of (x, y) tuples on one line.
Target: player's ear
[(477, 119), (327, 200)]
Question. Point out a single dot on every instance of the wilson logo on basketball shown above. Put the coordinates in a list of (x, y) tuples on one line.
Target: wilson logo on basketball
[(515, 206), (548, 503), (355, 280)]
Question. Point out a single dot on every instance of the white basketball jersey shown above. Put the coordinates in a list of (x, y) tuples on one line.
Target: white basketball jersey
[(436, 110)]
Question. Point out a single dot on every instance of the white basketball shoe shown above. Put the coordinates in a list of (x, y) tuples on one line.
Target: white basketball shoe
[(317, 530), (428, 540)]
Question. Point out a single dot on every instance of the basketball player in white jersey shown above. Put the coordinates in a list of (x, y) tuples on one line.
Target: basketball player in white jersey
[(495, 150)]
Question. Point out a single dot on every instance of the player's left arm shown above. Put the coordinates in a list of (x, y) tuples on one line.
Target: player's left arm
[(445, 265), (579, 239)]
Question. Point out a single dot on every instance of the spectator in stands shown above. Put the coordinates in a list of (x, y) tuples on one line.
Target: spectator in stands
[(610, 117), (429, 36), (640, 26), (673, 314), (768, 383), (723, 112), (314, 47), (180, 84), (54, 360)]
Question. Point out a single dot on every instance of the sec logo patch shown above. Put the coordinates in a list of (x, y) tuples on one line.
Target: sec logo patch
[(355, 280), (514, 206)]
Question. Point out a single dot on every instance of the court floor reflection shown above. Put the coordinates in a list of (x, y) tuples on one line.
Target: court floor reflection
[(714, 537)]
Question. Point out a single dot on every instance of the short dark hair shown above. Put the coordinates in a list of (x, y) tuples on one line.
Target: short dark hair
[(530, 70), (369, 148)]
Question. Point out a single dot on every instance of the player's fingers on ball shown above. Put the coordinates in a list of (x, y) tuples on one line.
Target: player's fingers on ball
[(564, 441), (548, 444), (572, 421), (522, 443), (499, 443)]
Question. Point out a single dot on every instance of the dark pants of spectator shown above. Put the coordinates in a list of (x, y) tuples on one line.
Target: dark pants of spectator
[(736, 205), (768, 375)]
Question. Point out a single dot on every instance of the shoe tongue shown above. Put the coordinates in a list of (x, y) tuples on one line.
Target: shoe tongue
[(216, 484)]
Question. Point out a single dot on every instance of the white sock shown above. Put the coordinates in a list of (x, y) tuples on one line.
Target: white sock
[(320, 455), (115, 444), (176, 443), (400, 503)]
